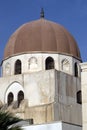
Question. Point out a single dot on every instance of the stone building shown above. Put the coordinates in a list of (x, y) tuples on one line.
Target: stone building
[(84, 95), (41, 78)]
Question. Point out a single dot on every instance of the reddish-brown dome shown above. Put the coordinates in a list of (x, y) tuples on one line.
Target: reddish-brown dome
[(41, 36)]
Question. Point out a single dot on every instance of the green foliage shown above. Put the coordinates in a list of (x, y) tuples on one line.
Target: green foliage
[(15, 128), (6, 120)]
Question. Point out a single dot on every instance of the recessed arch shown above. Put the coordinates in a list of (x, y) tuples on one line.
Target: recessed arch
[(65, 65), (18, 67), (49, 63), (20, 97), (14, 87), (79, 97), (76, 69), (32, 63), (10, 98), (7, 68)]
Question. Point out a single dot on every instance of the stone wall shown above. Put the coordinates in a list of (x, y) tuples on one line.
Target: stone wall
[(84, 94), (50, 96)]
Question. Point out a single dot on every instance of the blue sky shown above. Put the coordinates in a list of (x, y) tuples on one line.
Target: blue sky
[(72, 14)]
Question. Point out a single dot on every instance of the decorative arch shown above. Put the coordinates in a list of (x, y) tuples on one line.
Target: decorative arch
[(65, 65), (10, 98), (76, 69), (18, 67), (14, 87), (49, 63), (7, 68), (79, 97), (32, 63), (20, 97)]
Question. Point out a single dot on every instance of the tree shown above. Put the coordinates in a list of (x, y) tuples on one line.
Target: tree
[(6, 121)]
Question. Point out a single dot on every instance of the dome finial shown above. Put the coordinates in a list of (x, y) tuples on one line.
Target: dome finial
[(42, 13)]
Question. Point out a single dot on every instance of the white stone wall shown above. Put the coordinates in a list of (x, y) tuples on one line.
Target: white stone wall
[(36, 62), (44, 85), (38, 88), (84, 94), (53, 126), (43, 89)]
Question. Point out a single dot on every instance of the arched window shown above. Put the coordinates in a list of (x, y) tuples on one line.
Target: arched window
[(18, 67), (79, 97), (49, 63), (65, 65), (76, 69), (20, 97), (10, 98)]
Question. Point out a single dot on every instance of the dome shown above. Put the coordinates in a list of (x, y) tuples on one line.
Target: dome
[(41, 36)]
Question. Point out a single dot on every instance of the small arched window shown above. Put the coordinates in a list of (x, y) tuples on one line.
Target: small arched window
[(76, 69), (20, 97), (10, 98), (79, 97), (18, 67), (49, 63), (65, 65)]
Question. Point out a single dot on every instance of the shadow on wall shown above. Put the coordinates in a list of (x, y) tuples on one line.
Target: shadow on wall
[(0, 71)]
